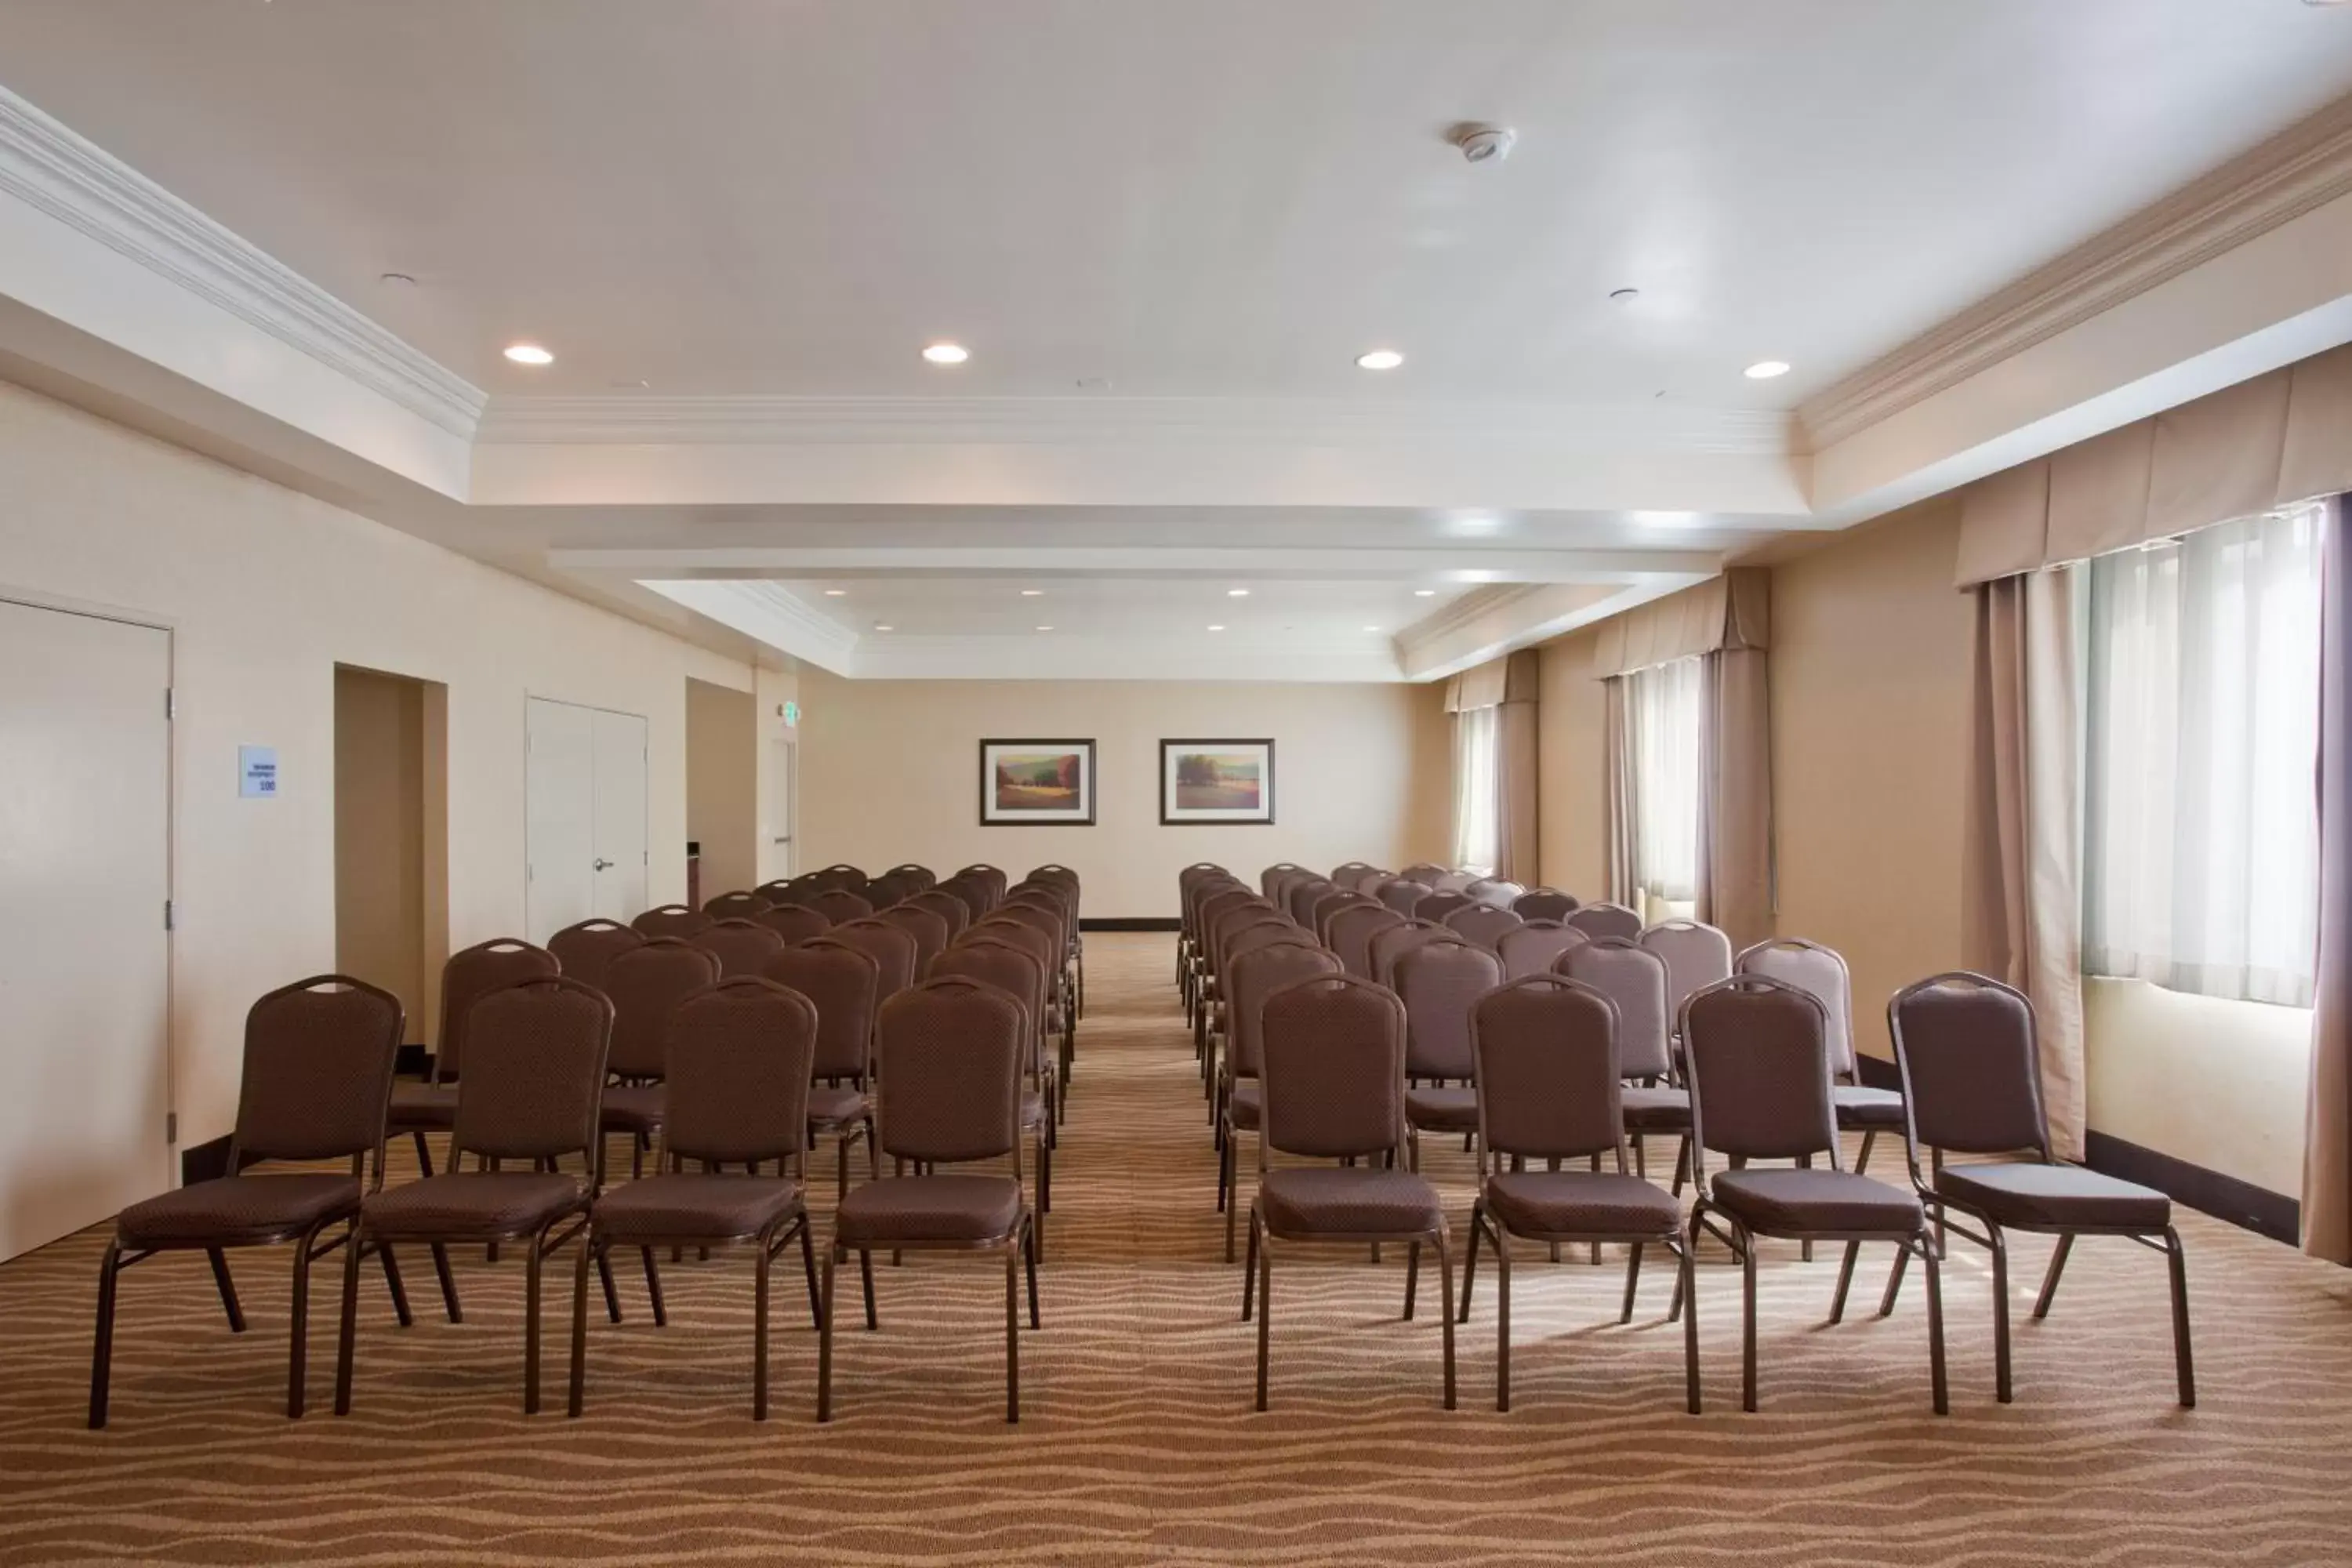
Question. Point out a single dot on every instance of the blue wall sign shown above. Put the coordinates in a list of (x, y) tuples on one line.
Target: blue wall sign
[(257, 772)]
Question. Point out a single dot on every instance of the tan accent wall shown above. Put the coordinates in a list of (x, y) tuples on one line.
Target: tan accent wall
[(380, 790), (723, 784), (889, 771)]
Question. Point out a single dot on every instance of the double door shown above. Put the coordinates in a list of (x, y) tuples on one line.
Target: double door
[(585, 830)]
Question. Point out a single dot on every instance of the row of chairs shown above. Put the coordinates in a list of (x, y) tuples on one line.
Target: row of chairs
[(715, 1068), (1632, 1032)]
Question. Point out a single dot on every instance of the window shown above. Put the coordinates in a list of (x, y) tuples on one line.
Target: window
[(1662, 705), (2201, 834), (1476, 789)]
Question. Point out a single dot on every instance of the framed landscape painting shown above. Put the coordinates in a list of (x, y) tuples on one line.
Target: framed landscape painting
[(1216, 781), (1036, 784)]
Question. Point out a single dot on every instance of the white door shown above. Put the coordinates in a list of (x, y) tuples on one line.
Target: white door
[(620, 814), (85, 966), (783, 783), (585, 825)]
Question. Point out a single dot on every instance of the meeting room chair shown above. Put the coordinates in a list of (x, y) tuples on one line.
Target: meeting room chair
[(469, 975), (645, 986), (1544, 904), (1548, 1081), (840, 877), (739, 1061), (892, 947), (921, 876), (1392, 942), (1332, 1083), (953, 911), (839, 904), (990, 961), (1352, 929), (1497, 891), (1257, 975), (930, 931), (1267, 879), (1821, 970), (1756, 1052), (1605, 920), (316, 1085), (952, 1054), (1442, 903), (1424, 873), (582, 950), (1971, 1072), (1298, 900), (795, 922), (1439, 982), (1402, 894), (1635, 979), (844, 985), (1697, 956), (673, 920), (534, 1078), (735, 906), (741, 946), (1533, 947), (1484, 925)]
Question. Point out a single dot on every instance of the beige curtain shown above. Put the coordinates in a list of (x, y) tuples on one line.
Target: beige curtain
[(1735, 819), (2327, 1124), (2021, 904), (1623, 799), (1510, 686)]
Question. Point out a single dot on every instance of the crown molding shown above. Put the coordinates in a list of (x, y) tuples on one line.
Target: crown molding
[(2302, 167), (765, 612), (631, 419), (44, 164)]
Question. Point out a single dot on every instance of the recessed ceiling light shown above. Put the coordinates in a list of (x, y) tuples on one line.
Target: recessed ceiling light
[(947, 353), (1237, 593), (1424, 593), (1380, 359), (529, 354), (1032, 593), (1765, 368), (835, 593), (880, 627), (1216, 628), (1372, 629), (1045, 629)]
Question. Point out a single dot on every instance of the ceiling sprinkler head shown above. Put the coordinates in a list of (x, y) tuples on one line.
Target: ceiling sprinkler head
[(1482, 143)]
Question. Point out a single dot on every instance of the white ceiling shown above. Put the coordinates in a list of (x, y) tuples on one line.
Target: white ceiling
[(1167, 225)]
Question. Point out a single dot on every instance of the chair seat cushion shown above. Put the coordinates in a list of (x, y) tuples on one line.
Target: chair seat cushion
[(432, 1107), (1581, 1202), (2056, 1196), (1655, 1108), (830, 1106), (1863, 1108), (633, 1108), (485, 1203), (691, 1206), (1348, 1200), (1245, 1105), (239, 1211), (1443, 1109), (1784, 1201), (929, 1208)]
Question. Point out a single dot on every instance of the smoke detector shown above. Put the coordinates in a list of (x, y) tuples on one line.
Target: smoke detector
[(1482, 144)]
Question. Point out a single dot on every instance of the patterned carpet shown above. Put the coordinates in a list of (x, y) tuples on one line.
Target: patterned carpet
[(1138, 1445)]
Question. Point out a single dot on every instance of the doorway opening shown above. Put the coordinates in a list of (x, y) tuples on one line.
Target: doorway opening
[(392, 837), (722, 785)]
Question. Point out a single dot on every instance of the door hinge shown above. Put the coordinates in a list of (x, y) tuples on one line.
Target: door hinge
[(167, 915), (171, 1126), (171, 703)]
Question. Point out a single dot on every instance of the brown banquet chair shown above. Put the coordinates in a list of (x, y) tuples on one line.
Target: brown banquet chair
[(1605, 920), (735, 906), (1439, 905), (673, 920), (839, 904), (844, 983), (1352, 931), (1636, 981), (1822, 972), (645, 986), (952, 1054), (1332, 1086), (1017, 974), (1439, 983), (1544, 904), (953, 911), (1402, 894), (1392, 942), (739, 1057), (930, 931), (892, 947), (584, 950), (1533, 947), (741, 946), (1256, 974), (468, 975), (317, 1083), (795, 922), (1484, 925)]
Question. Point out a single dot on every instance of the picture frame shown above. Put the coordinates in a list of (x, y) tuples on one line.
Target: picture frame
[(1206, 781), (1036, 784)]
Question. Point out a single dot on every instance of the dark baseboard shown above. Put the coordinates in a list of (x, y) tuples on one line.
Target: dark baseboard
[(2242, 1203), (1132, 922), (414, 1061)]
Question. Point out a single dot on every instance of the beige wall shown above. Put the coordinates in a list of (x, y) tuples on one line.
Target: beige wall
[(889, 771), (380, 765), (722, 774), (266, 591)]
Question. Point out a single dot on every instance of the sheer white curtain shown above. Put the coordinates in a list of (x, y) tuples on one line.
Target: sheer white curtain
[(1663, 709), (2200, 830), (1476, 792)]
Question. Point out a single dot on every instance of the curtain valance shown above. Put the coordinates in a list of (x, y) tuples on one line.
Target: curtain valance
[(1732, 611), (2262, 444), (1514, 677)]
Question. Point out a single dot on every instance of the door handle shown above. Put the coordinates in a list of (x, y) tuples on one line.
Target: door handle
[(604, 865)]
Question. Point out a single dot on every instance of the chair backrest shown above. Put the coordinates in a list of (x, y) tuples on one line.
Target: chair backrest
[(1439, 982), (1217, 905), (1300, 899), (584, 949), (742, 1054), (1347, 871), (1318, 917), (921, 876), (795, 922), (672, 920), (1442, 903), (930, 931), (1271, 932), (1389, 944), (1367, 881), (1455, 882), (839, 904), (1274, 874), (1352, 929), (1972, 1067), (534, 1077), (1256, 975), (1402, 894), (740, 946), (647, 983), (846, 984), (735, 906), (976, 893), (782, 891), (1331, 1069), (889, 888), (1544, 904), (318, 1059), (1533, 947), (1498, 891), (1634, 978), (892, 947), (1549, 1083), (1054, 872), (1696, 954), (951, 1053), (1047, 922), (840, 876), (1230, 922), (1756, 1053), (471, 974), (1010, 970), (1820, 970), (1025, 937), (1605, 920), (954, 912), (1423, 872), (1484, 925)]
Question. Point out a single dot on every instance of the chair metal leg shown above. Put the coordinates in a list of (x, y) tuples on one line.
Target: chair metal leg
[(808, 1268), (1862, 1159), (1845, 1280), (298, 1330), (1411, 1277), (448, 1284), (1894, 1282), (2050, 1280), (1470, 1258), (1013, 1332), (391, 1280), (1249, 1270), (1633, 1283), (825, 1338), (762, 1266), (1265, 1306), (1682, 1163), (580, 1327), (344, 1346), (1686, 1290), (1746, 1318), (424, 1153), (866, 1278), (2184, 1362), (1934, 1269), (101, 1352), (2000, 1364), (654, 1290), (227, 1286), (612, 1291), (531, 1278), (1445, 1308), (1029, 1259), (1502, 1312)]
